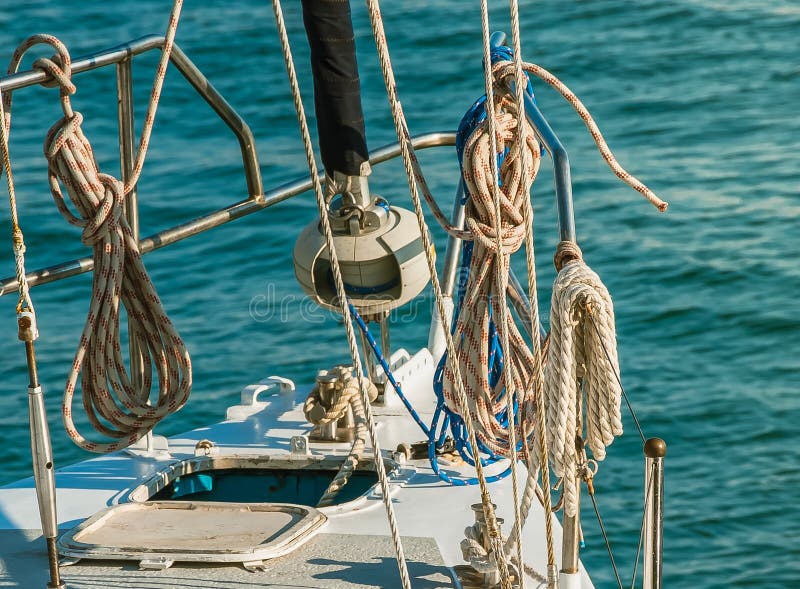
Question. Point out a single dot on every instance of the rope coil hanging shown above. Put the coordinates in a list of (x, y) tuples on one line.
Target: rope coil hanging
[(579, 354), (115, 407), (484, 291)]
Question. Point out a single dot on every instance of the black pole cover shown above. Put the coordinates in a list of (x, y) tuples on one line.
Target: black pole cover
[(337, 89)]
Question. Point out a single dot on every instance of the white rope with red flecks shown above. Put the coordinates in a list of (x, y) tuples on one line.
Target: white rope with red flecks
[(501, 71), (115, 407)]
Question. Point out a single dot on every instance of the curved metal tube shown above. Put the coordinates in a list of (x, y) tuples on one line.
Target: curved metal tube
[(187, 69), (218, 217)]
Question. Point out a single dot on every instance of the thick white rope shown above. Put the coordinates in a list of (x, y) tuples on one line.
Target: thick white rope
[(577, 353), (115, 406), (340, 291)]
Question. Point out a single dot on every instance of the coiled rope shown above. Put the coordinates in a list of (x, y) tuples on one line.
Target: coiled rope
[(577, 354), (115, 406), (485, 290)]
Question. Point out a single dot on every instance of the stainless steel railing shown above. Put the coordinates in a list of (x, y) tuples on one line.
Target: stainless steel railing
[(121, 56)]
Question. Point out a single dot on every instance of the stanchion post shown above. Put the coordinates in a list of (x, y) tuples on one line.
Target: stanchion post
[(655, 449)]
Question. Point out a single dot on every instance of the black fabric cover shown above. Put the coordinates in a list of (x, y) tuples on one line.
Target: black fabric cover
[(337, 89)]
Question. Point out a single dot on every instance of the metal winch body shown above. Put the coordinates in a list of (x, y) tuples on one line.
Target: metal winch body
[(379, 248)]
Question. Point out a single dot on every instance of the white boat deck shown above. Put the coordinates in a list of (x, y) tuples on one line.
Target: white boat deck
[(353, 549)]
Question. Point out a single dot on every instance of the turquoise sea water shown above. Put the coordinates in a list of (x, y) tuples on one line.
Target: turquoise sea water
[(698, 98)]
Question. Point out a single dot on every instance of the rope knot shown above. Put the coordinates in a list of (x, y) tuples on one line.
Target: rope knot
[(107, 214), (59, 70), (566, 251), (19, 241)]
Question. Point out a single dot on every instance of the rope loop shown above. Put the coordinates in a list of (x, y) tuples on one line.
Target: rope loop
[(566, 251), (484, 301), (58, 67), (61, 75)]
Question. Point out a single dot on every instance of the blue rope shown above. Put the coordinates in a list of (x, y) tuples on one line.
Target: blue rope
[(388, 371), (474, 116)]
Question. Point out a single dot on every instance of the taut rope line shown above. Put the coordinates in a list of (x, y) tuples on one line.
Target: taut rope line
[(340, 292), (533, 302), (414, 175), (501, 264), (24, 302)]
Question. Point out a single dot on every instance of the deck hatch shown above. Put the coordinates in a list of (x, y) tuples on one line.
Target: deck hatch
[(163, 532)]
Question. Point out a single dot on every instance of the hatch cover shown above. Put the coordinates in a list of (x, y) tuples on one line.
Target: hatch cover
[(158, 533)]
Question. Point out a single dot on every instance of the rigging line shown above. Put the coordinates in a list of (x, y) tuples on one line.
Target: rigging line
[(641, 529), (501, 276), (619, 381), (538, 369), (380, 468), (155, 95), (413, 175), (24, 303), (605, 538)]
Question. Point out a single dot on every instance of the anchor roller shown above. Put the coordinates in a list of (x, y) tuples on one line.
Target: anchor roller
[(379, 248)]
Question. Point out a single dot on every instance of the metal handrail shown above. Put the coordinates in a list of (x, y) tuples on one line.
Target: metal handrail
[(125, 52), (218, 217), (122, 55)]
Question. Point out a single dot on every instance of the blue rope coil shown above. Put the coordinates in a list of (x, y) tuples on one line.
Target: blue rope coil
[(386, 369)]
